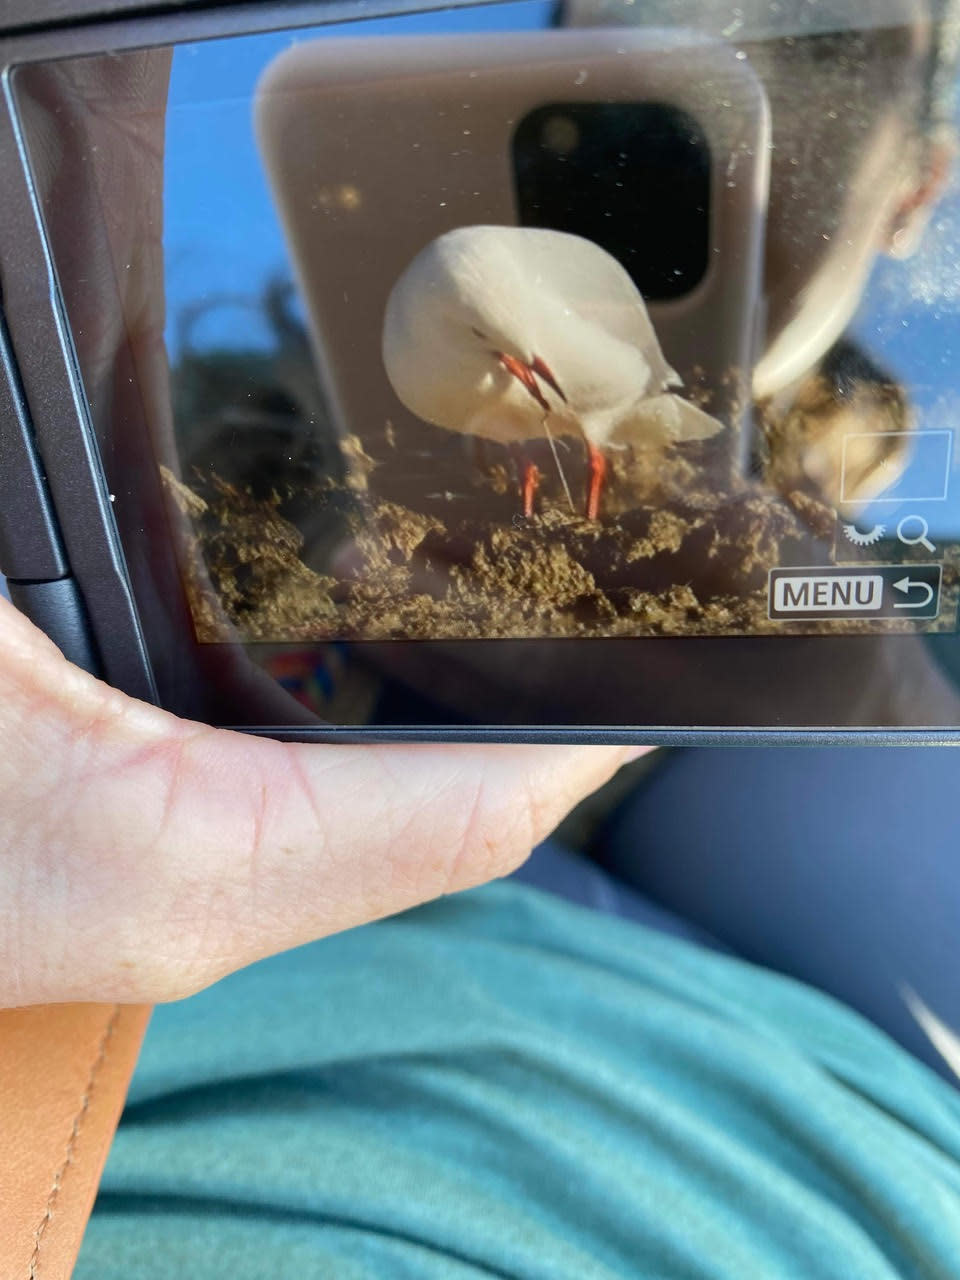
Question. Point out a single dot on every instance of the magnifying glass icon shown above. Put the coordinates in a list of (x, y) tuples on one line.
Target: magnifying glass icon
[(918, 538)]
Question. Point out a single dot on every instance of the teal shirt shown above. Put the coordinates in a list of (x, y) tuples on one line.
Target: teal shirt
[(502, 1084)]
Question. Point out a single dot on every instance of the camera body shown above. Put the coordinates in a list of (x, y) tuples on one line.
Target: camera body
[(215, 497)]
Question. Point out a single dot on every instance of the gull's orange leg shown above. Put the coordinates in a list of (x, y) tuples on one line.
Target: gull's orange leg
[(531, 483), (528, 477), (598, 471)]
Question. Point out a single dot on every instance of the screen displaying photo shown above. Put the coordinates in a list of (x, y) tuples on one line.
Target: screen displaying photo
[(525, 321)]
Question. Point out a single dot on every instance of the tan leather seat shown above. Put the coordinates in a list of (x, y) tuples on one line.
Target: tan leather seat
[(64, 1073)]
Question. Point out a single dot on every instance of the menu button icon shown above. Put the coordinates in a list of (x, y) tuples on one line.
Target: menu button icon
[(880, 591)]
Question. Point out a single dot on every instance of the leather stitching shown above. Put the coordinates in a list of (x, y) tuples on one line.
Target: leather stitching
[(77, 1125)]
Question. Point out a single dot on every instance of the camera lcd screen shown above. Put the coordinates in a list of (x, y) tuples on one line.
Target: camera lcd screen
[(607, 322)]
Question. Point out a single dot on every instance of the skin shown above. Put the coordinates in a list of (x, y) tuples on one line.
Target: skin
[(851, 177), (142, 856), (852, 140)]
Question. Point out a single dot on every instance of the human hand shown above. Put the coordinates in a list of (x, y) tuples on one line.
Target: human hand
[(143, 857)]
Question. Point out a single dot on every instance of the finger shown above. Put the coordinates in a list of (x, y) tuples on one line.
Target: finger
[(144, 856)]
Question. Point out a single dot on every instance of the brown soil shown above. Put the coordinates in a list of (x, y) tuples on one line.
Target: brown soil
[(430, 544)]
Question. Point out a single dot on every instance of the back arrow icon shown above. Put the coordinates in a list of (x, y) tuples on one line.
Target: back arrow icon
[(906, 585)]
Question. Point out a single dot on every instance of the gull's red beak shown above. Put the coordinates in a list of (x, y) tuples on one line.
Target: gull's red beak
[(524, 375), (527, 375), (543, 370)]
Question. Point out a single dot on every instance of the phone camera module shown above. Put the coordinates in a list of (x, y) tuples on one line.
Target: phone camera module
[(632, 177)]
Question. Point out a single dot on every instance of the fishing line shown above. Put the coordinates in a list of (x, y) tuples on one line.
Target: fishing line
[(556, 458)]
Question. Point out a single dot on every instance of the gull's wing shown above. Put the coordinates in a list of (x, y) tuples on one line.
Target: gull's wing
[(597, 288)]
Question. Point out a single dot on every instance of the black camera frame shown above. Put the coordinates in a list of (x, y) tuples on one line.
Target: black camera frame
[(59, 545)]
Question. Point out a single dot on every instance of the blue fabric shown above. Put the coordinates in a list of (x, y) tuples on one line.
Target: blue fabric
[(569, 875), (840, 867), (503, 1084)]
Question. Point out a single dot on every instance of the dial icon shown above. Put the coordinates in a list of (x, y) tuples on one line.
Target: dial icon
[(861, 539)]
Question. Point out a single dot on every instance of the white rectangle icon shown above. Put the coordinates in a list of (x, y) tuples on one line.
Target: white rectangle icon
[(929, 450), (811, 593)]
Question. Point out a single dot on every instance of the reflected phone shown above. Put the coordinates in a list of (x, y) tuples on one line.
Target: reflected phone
[(652, 145)]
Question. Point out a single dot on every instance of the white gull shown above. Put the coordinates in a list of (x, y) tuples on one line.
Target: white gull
[(509, 333)]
